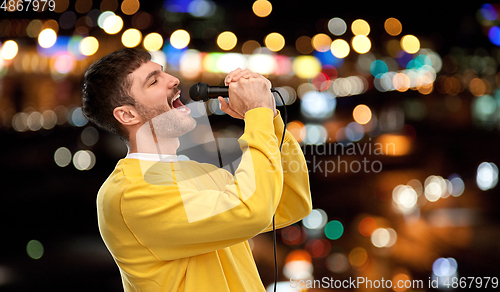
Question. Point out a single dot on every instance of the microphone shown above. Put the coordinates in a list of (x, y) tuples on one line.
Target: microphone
[(204, 92)]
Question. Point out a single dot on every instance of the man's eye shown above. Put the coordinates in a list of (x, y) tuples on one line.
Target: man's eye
[(153, 82)]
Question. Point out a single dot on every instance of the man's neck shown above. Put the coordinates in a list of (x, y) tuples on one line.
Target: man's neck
[(167, 146)]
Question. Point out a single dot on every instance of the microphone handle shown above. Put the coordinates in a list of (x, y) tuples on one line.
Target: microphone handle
[(216, 91)]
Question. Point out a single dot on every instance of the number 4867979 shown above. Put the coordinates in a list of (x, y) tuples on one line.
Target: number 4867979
[(26, 5)]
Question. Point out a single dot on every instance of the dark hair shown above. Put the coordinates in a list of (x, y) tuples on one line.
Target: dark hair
[(106, 86)]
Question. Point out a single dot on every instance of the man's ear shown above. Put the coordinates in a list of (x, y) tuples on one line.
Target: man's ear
[(127, 115)]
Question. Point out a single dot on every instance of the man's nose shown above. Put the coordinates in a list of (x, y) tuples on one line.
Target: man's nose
[(172, 81)]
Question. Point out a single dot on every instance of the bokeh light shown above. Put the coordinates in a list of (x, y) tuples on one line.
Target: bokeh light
[(358, 257), (306, 66), (89, 46), (360, 27), (35, 249), (9, 50), (113, 24), (410, 44), (179, 39), (130, 7), (131, 38), (366, 226), (334, 229), (47, 38), (227, 40), (274, 41), (84, 160), (362, 114), (487, 176), (321, 42), (337, 26), (262, 8), (361, 44), (316, 219), (153, 42), (340, 48), (393, 26)]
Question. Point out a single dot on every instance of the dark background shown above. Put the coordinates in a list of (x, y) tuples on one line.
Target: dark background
[(56, 206)]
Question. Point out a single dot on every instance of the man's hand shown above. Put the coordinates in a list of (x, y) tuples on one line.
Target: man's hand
[(247, 90)]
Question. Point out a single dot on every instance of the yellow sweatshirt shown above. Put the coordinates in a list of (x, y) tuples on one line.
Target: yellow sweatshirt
[(184, 225)]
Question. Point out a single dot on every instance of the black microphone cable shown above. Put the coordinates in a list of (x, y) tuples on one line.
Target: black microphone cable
[(274, 221), (285, 120)]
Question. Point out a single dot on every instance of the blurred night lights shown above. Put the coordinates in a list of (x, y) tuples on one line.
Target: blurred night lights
[(179, 39), (131, 38), (362, 114), (315, 134), (487, 176), (34, 248), (393, 26), (202, 8), (262, 8), (334, 230), (274, 41), (316, 219), (340, 48), (443, 271), (9, 50), (384, 237), (89, 136), (62, 157), (84, 160), (337, 26), (153, 41), (337, 263), (227, 40), (47, 38), (89, 46), (318, 104)]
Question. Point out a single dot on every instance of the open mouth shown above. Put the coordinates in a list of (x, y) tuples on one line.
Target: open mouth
[(177, 104)]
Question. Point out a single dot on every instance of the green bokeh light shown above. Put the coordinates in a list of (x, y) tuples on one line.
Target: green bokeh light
[(334, 229)]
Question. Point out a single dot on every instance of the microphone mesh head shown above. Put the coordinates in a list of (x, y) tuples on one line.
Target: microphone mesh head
[(198, 91)]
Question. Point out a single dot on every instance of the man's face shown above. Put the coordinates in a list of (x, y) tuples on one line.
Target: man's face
[(158, 101)]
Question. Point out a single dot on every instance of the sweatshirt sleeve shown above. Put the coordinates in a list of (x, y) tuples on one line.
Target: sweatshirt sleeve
[(295, 202), (188, 216)]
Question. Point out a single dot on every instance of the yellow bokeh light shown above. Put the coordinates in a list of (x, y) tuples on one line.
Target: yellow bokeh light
[(340, 48), (113, 24), (9, 50), (360, 27), (410, 44), (131, 38), (47, 38), (361, 44), (130, 7), (274, 41), (180, 39), (306, 66), (393, 26), (362, 114), (88, 46), (227, 40), (321, 42), (262, 8), (153, 41)]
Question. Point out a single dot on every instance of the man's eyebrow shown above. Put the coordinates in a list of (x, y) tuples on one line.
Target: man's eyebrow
[(151, 74)]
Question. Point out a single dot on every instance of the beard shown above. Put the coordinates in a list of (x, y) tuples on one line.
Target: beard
[(166, 122)]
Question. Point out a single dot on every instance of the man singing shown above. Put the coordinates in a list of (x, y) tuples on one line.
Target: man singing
[(179, 225)]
